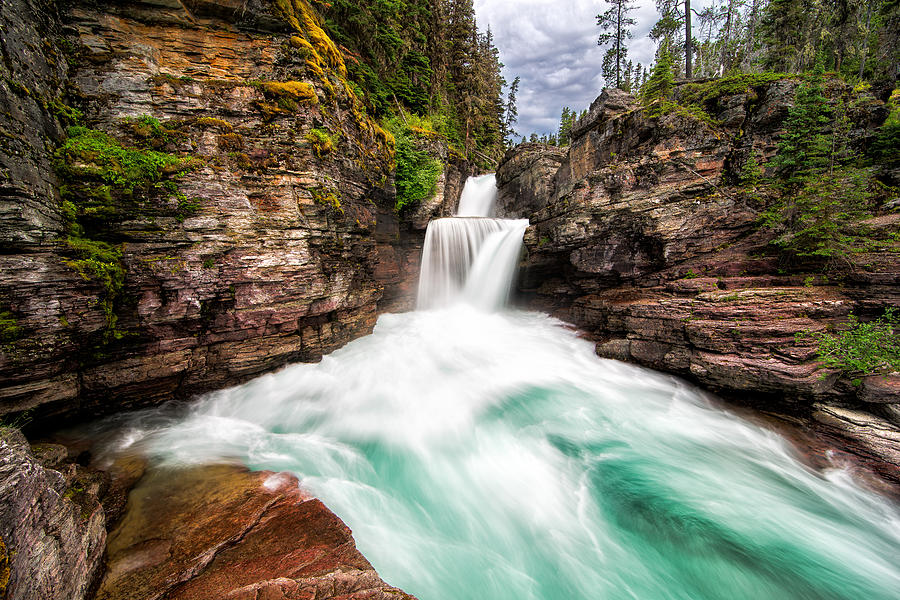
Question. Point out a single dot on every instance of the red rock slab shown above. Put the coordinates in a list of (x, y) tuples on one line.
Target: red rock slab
[(220, 531)]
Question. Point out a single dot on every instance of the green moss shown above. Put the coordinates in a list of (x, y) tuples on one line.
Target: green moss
[(65, 113), (94, 154), (102, 263), (298, 91), (150, 132), (10, 330), (703, 93), (230, 142), (329, 199), (322, 142), (213, 123)]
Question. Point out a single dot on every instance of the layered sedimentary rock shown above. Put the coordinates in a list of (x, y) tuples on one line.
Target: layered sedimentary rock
[(276, 242), (52, 526), (226, 532), (646, 238)]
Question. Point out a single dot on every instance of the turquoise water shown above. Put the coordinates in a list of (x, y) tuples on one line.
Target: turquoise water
[(494, 456)]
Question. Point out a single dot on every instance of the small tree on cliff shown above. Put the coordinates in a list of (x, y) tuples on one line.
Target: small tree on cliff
[(616, 25), (659, 86)]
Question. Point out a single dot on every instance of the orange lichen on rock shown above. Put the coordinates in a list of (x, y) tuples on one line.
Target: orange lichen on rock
[(296, 90)]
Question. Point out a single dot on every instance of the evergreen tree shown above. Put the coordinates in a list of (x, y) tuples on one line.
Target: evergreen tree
[(511, 113), (626, 84), (803, 148), (616, 25), (658, 87), (566, 122), (668, 32)]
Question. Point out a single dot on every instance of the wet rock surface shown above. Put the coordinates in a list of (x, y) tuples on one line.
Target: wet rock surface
[(52, 524), (223, 532), (645, 239)]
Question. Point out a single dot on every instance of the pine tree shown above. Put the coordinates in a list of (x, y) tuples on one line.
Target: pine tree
[(616, 25), (668, 32), (803, 148), (658, 87), (626, 84), (566, 122), (511, 113)]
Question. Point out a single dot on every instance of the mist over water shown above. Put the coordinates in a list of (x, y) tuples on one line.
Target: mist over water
[(491, 455)]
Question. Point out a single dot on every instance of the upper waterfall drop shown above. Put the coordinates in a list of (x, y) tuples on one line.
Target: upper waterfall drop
[(478, 196), (470, 258)]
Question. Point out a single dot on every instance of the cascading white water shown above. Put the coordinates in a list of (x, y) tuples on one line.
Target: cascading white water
[(478, 197), (470, 258), (492, 456)]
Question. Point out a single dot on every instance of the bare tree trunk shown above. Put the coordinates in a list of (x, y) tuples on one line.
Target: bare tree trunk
[(865, 48), (687, 39), (726, 39)]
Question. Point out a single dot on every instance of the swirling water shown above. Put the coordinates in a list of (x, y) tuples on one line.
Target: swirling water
[(491, 455)]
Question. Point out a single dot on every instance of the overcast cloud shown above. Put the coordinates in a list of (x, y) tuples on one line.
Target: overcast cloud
[(552, 46)]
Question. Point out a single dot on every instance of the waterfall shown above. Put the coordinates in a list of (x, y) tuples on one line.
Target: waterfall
[(478, 197), (470, 258), (492, 455)]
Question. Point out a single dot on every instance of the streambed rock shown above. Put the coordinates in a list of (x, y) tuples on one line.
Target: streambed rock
[(224, 532), (52, 526)]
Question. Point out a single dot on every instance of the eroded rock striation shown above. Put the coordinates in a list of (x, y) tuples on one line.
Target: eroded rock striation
[(646, 238), (224, 206), (52, 525), (224, 532)]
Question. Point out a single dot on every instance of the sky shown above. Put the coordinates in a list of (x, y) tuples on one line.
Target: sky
[(552, 46)]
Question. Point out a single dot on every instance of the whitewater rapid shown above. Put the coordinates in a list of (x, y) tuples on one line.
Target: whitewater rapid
[(494, 456), (489, 454)]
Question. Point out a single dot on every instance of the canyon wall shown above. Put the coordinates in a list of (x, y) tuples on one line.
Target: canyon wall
[(256, 226), (645, 236)]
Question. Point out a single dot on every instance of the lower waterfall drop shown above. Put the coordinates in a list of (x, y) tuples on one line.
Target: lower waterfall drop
[(470, 258)]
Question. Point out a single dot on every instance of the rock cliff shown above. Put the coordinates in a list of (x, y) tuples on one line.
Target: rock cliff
[(52, 526), (645, 237), (220, 204)]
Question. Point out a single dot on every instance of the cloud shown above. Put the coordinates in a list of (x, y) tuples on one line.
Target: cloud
[(552, 46)]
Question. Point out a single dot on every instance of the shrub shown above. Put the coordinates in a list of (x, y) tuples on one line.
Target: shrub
[(863, 348)]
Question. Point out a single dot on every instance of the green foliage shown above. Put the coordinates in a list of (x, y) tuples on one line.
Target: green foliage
[(886, 147), (751, 172), (100, 262), (65, 113), (707, 92), (329, 199), (862, 348), (94, 154), (659, 87), (616, 26), (10, 330), (417, 172), (804, 147), (818, 219), (323, 143)]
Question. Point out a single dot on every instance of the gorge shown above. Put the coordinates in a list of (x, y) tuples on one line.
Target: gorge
[(211, 249)]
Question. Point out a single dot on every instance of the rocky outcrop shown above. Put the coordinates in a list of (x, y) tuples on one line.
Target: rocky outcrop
[(275, 244), (646, 239), (52, 525), (224, 532), (524, 178)]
